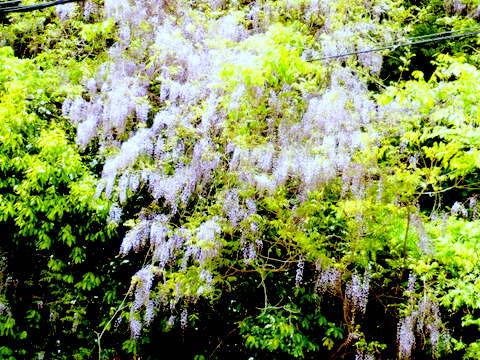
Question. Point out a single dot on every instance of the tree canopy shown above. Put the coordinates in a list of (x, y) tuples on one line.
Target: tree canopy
[(180, 177)]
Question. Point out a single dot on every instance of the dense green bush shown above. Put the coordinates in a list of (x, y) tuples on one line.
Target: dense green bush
[(178, 177)]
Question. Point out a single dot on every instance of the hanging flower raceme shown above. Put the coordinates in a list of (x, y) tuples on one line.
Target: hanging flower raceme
[(209, 115)]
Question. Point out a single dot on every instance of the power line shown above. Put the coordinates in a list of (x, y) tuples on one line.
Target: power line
[(413, 38), (429, 36), (27, 8), (454, 35), (10, 3)]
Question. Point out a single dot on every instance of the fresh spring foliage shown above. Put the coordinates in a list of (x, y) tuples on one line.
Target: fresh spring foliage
[(54, 258), (178, 175)]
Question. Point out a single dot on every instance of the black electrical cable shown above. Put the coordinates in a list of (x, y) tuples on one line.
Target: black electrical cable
[(27, 8), (418, 37), (10, 3), (394, 46), (415, 38)]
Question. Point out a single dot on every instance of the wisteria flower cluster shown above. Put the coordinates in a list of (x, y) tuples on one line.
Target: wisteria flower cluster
[(169, 110), (423, 323)]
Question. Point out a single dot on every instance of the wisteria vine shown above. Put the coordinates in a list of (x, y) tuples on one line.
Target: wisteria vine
[(206, 115)]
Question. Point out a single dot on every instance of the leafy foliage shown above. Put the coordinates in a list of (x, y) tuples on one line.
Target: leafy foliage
[(182, 169), (51, 222)]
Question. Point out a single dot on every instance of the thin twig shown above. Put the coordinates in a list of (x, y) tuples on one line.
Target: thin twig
[(100, 335)]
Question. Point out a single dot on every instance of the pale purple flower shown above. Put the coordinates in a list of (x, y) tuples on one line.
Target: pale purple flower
[(117, 8), (136, 238), (356, 292), (424, 321), (149, 312), (137, 145), (472, 202), (134, 182), (4, 309), (107, 184), (249, 252), (424, 241), (158, 233), (329, 280), (91, 86), (361, 355), (169, 187), (86, 131), (264, 157), (413, 161), (232, 207), (412, 278), (164, 252), (119, 106), (171, 320), (65, 11), (115, 214), (458, 6), (76, 109), (210, 116), (117, 322), (459, 209), (228, 28), (124, 33), (123, 188), (299, 272), (143, 286), (406, 337), (208, 231), (206, 276), (66, 106), (184, 319), (135, 326), (89, 9), (435, 216), (207, 243), (265, 183), (372, 60), (142, 110)]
